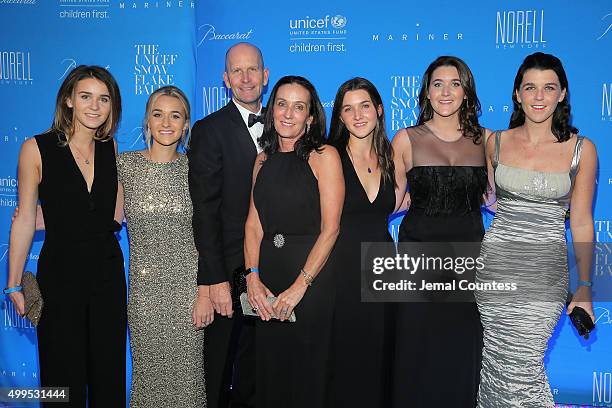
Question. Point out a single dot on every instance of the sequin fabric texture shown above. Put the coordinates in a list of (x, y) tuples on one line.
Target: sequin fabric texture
[(525, 245), (167, 361)]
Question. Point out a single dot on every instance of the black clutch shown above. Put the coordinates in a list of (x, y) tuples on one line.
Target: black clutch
[(581, 321)]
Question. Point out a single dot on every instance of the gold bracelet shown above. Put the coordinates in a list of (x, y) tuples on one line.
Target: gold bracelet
[(308, 278)]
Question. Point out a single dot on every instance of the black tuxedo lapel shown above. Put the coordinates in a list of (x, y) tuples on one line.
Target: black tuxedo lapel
[(240, 130)]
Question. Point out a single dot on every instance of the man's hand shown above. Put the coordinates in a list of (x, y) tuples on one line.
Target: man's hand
[(221, 298), (203, 313)]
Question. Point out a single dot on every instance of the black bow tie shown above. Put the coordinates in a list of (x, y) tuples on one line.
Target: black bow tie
[(253, 119)]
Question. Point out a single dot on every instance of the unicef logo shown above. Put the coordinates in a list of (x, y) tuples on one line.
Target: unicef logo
[(338, 21)]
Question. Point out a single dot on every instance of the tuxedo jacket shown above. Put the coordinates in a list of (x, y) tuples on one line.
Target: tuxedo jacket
[(221, 158)]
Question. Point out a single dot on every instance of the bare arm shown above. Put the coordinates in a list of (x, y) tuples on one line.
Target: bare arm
[(253, 234), (490, 199), (581, 223), (327, 168), (328, 171), (23, 227), (119, 213), (402, 158), (253, 231)]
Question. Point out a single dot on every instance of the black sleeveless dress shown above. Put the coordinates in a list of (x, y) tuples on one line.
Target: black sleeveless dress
[(438, 346), (292, 361), (82, 330), (362, 331)]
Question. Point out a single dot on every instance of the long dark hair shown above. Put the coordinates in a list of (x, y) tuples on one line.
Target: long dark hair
[(313, 139), (470, 108), (339, 134), (63, 117), (561, 127)]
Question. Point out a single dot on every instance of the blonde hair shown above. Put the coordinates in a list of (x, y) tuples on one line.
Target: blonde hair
[(174, 92), (63, 118)]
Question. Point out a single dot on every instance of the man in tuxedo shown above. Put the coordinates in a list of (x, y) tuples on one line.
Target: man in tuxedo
[(221, 155)]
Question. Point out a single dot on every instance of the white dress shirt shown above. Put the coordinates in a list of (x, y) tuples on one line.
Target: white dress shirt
[(256, 130)]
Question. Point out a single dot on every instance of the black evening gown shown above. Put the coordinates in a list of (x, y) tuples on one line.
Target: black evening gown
[(438, 346), (361, 335), (293, 359)]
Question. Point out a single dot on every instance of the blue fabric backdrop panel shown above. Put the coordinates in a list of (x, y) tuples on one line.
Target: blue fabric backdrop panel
[(391, 43), (147, 44), (144, 44)]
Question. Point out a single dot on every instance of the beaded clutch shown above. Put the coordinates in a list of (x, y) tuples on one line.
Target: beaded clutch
[(32, 297)]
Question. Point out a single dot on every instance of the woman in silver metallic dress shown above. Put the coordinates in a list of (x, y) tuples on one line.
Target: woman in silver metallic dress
[(165, 306), (542, 168)]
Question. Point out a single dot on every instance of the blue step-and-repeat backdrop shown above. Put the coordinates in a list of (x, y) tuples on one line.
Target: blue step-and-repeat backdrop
[(148, 44)]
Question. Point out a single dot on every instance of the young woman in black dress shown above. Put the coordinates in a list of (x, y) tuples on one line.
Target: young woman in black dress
[(71, 170), (361, 341), (438, 346), (292, 226)]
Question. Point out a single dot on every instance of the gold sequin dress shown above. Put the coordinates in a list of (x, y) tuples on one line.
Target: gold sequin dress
[(167, 359)]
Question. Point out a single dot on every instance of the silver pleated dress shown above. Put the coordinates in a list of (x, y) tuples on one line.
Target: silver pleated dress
[(525, 245), (167, 351)]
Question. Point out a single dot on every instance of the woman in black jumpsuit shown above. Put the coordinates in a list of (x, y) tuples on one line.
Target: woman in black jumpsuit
[(71, 170)]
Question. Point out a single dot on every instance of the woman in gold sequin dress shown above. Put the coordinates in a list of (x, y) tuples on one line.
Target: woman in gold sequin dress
[(165, 307)]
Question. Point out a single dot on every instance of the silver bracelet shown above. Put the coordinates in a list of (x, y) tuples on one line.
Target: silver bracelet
[(308, 278)]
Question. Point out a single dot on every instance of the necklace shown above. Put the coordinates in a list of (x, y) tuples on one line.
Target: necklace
[(85, 159), (348, 148)]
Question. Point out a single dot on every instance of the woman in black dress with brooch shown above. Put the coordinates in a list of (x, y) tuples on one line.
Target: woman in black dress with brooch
[(438, 346), (361, 340), (291, 228)]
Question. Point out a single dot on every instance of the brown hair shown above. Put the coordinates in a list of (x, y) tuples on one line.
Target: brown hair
[(470, 108), (314, 137), (339, 134), (63, 119)]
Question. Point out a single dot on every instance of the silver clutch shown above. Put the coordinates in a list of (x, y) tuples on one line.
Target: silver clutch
[(248, 310)]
